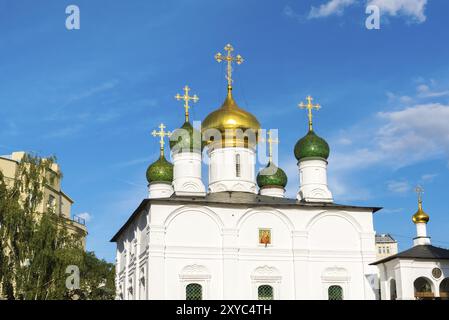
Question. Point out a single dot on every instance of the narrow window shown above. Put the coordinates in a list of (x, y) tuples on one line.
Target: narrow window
[(335, 293), (237, 165), (194, 291), (265, 292)]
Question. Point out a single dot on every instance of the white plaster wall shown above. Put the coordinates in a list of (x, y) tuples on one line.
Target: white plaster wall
[(311, 249)]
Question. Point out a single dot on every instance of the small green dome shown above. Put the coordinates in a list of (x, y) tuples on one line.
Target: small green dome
[(271, 175), (186, 139), (160, 171), (311, 146)]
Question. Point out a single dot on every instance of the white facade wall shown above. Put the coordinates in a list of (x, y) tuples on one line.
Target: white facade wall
[(218, 247)]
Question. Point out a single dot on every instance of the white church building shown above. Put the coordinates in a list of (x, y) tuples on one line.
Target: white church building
[(239, 237)]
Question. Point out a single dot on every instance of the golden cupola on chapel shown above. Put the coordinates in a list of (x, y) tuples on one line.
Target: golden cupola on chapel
[(230, 120)]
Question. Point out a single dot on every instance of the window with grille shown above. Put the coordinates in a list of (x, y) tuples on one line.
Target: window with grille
[(194, 291), (335, 293), (265, 292), (237, 165)]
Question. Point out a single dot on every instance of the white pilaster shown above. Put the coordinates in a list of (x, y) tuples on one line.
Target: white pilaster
[(187, 174), (313, 181)]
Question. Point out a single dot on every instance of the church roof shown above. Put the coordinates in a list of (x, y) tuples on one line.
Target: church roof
[(423, 252), (385, 238), (237, 199)]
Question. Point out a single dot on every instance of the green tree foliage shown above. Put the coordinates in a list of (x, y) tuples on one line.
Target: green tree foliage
[(35, 247)]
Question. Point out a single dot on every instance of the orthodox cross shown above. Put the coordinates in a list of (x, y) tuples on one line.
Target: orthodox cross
[(309, 106), (186, 99), (271, 141), (162, 134), (229, 59), (419, 191)]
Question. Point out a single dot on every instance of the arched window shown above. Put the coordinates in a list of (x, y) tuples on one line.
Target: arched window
[(444, 289), (237, 165), (194, 291), (423, 288), (265, 292), (393, 294), (335, 293)]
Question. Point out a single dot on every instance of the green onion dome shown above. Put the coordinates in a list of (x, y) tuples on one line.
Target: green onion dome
[(272, 176), (311, 145), (160, 171), (186, 139)]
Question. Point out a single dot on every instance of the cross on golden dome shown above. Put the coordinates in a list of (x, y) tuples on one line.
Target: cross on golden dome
[(162, 134), (420, 216), (309, 106), (229, 59), (186, 99), (419, 191)]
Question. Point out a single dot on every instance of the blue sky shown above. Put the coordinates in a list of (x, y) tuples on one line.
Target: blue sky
[(92, 96)]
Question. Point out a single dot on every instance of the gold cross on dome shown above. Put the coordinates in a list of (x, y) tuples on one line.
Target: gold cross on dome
[(309, 106), (229, 59), (162, 134), (186, 99), (271, 141), (419, 191)]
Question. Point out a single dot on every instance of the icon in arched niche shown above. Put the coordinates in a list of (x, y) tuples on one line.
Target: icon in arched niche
[(265, 236)]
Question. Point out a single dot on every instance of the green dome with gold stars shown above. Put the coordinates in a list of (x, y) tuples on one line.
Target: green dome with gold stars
[(160, 171), (272, 176), (311, 146)]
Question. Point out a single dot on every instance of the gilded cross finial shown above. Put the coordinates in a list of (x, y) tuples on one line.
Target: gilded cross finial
[(271, 141), (229, 59), (419, 191), (186, 99), (162, 134), (309, 106)]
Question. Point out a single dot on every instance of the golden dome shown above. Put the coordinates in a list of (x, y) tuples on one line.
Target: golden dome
[(420, 216), (227, 120)]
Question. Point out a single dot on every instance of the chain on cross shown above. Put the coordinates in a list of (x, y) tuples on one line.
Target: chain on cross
[(162, 134), (186, 99), (309, 106), (229, 59)]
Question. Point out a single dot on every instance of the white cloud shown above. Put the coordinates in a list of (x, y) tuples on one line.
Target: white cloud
[(410, 8), (424, 91), (333, 7), (429, 177), (85, 215), (414, 9), (398, 186)]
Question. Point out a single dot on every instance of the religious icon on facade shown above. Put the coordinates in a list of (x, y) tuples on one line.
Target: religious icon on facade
[(265, 236)]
